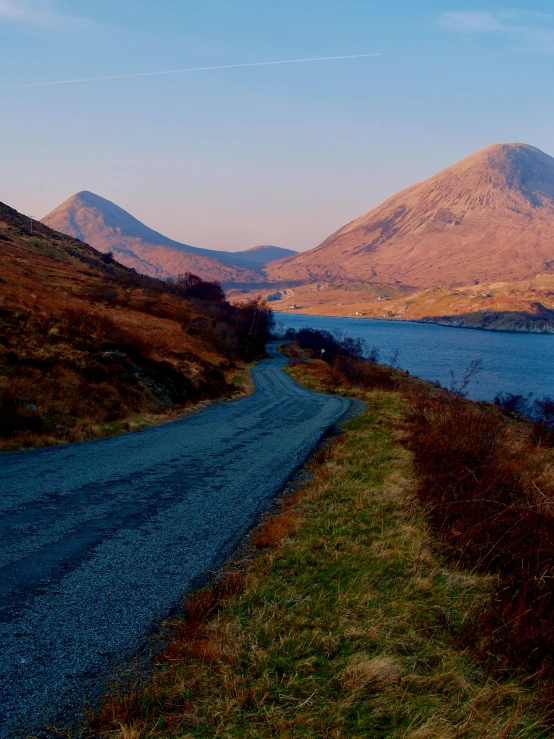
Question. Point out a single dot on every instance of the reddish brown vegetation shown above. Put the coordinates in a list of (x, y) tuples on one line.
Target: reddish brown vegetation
[(193, 641), (348, 373), (189, 641), (489, 490), (85, 343), (368, 375), (274, 530), (486, 478), (344, 357)]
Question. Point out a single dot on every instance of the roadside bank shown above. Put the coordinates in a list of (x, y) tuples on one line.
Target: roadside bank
[(348, 624)]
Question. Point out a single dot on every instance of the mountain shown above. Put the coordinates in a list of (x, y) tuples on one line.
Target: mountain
[(258, 256), (107, 227), (488, 217)]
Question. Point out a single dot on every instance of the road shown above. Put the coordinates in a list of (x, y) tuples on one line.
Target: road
[(99, 541)]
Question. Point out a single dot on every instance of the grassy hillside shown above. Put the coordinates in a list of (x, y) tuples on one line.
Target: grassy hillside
[(523, 305), (88, 347), (375, 609)]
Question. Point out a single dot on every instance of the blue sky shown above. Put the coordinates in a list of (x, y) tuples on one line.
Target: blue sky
[(278, 154)]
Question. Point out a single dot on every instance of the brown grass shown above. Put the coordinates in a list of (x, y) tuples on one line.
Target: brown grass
[(190, 640), (89, 349), (274, 530), (489, 492)]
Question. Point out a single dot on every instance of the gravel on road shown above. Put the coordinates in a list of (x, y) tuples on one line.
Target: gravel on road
[(99, 541)]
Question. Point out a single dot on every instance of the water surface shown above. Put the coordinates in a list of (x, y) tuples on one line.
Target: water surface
[(513, 363)]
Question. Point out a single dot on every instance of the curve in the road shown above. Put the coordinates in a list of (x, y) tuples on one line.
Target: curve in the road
[(100, 540)]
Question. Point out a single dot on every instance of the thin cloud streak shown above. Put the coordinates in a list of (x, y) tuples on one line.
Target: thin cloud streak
[(190, 69), (476, 22), (534, 32), (42, 13), (16, 11)]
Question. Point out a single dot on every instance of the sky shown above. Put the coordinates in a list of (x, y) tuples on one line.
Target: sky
[(277, 154)]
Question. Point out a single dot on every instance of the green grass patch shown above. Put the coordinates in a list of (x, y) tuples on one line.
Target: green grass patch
[(239, 379), (348, 627)]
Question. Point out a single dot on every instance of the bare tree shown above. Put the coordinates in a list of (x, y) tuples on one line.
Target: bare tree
[(460, 388)]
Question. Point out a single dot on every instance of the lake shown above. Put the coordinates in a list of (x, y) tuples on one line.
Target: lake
[(513, 363)]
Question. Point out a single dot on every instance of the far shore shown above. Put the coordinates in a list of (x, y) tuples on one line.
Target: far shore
[(548, 331)]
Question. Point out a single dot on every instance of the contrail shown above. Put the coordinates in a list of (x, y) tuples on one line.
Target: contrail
[(190, 69)]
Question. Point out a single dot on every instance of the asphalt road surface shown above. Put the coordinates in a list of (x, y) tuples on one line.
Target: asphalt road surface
[(99, 541)]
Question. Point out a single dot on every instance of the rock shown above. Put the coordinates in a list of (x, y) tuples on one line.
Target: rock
[(279, 295)]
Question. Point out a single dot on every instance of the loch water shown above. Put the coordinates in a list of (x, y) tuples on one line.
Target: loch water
[(511, 362)]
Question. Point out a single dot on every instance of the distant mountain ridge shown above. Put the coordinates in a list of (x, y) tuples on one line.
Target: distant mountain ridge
[(488, 217), (107, 227)]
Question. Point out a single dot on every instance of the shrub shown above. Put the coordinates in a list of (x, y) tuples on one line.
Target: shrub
[(333, 345), (513, 403), (188, 285), (540, 411), (364, 373), (108, 257), (479, 481), (17, 412), (254, 322), (543, 416)]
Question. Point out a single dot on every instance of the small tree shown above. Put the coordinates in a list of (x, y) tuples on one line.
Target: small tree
[(189, 285), (108, 257), (255, 322)]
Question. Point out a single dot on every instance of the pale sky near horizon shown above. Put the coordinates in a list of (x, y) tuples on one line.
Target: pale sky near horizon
[(285, 154)]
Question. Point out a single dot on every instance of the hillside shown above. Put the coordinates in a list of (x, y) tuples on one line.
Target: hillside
[(520, 305), (88, 347), (489, 217), (107, 227)]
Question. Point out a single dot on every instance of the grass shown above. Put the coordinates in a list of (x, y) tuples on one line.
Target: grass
[(240, 380), (347, 624)]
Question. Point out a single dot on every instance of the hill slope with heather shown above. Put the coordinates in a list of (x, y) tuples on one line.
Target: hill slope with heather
[(109, 228), (489, 217), (88, 347)]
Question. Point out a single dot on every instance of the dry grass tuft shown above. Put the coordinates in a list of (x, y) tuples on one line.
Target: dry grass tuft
[(274, 530), (363, 671), (130, 732)]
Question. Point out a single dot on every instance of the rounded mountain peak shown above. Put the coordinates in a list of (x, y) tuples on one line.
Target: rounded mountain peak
[(504, 149), (512, 175), (506, 159)]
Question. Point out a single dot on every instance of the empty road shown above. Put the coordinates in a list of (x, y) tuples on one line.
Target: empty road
[(100, 541)]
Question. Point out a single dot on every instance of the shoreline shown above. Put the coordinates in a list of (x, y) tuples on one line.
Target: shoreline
[(419, 321)]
